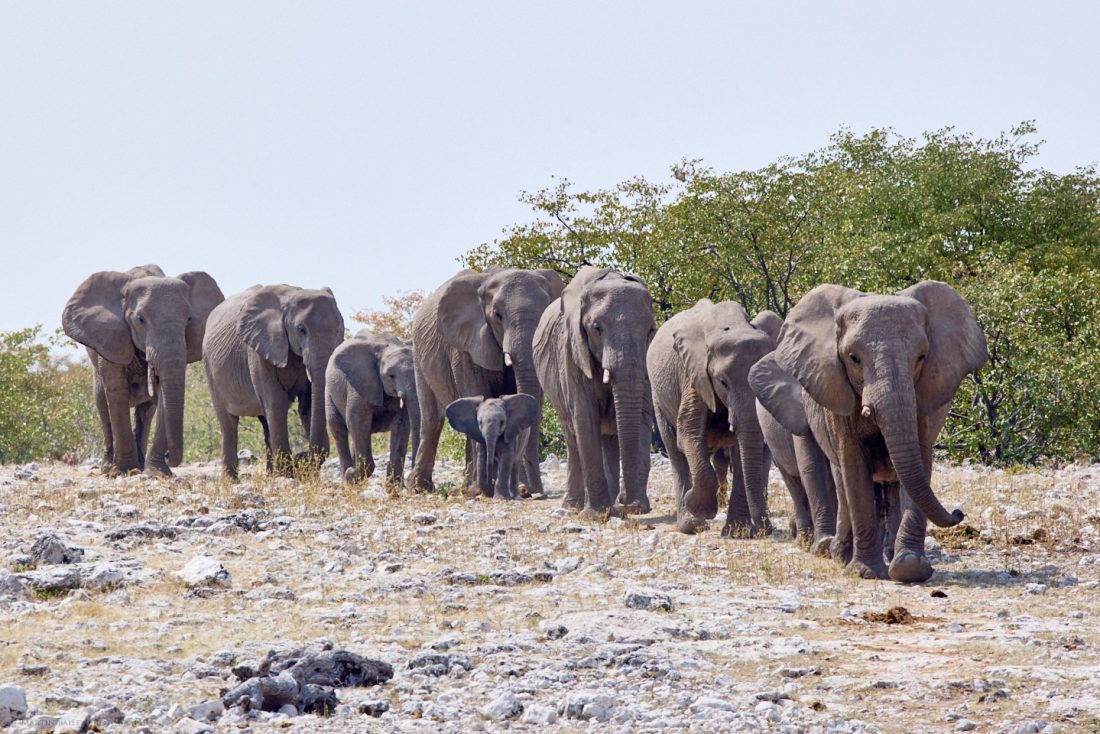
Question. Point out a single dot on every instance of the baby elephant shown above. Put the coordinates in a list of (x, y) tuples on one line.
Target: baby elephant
[(370, 388), (497, 426)]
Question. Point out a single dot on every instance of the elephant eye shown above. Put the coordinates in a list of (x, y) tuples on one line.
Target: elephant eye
[(141, 319), (722, 382), (597, 328), (497, 316), (853, 357), (391, 376), (301, 329), (921, 358)]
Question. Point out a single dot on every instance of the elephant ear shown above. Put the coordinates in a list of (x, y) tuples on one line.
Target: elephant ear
[(769, 323), (462, 415), (572, 307), (358, 361), (689, 341), (462, 323), (807, 348), (260, 324), (554, 284), (956, 343), (94, 317), (780, 394), (523, 411), (205, 295)]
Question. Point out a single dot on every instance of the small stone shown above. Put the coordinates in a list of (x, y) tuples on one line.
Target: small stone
[(13, 704), (73, 722), (502, 708), (127, 511), (207, 710), (544, 715), (52, 580), (190, 726), (288, 709), (1036, 588), (108, 715), (245, 457), (374, 708), (965, 725), (649, 600), (50, 550), (553, 630), (204, 571), (424, 518), (102, 576)]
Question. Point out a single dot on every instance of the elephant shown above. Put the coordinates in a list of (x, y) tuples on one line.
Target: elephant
[(141, 329), (370, 388), (879, 373), (472, 336), (264, 348), (498, 426), (698, 365), (589, 349), (801, 462)]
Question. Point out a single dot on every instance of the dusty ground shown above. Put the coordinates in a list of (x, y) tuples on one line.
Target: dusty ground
[(526, 609)]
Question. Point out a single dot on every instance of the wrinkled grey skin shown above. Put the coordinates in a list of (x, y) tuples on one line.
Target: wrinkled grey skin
[(803, 465), (698, 364), (473, 336), (264, 348), (590, 349), (498, 426), (879, 373), (141, 330), (370, 387)]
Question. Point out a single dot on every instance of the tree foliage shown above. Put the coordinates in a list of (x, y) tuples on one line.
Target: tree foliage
[(877, 212)]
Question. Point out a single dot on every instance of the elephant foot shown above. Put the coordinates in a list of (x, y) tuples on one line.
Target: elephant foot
[(689, 525), (840, 550), (762, 527), (352, 475), (866, 570), (820, 546), (596, 514), (157, 471), (701, 503), (910, 567), (573, 504), (635, 507), (737, 529)]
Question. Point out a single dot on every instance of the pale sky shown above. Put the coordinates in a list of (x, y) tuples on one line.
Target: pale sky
[(366, 146)]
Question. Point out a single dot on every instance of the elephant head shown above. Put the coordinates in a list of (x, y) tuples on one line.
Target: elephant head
[(491, 422), (282, 324), (609, 324), (718, 345), (380, 366), (143, 313), (492, 317), (887, 360)]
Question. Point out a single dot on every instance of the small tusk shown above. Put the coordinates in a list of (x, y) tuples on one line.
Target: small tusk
[(402, 402), (606, 376), (507, 359), (152, 380), (733, 430), (867, 411)]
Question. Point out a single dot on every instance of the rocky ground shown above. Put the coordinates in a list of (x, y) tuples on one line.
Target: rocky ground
[(127, 604)]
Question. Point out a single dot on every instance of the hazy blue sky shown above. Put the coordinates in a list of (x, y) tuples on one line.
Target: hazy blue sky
[(366, 146)]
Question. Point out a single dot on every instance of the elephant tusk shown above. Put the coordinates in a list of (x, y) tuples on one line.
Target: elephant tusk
[(401, 402), (151, 377), (867, 412), (606, 376), (507, 359)]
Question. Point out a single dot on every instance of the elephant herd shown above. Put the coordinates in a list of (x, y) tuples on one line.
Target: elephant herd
[(846, 396)]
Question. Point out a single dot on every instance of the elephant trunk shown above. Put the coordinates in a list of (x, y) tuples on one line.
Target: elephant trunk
[(412, 409), (171, 376), (895, 411), (627, 393), (318, 430), (750, 443), (521, 339)]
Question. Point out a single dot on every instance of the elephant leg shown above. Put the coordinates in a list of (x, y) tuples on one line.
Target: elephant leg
[(117, 391), (910, 564), (530, 463), (890, 517), (228, 424), (277, 413), (104, 416), (840, 548), (586, 421), (156, 461), (574, 483), (738, 518), (269, 461), (362, 425), (681, 478), (483, 473), (859, 494), (802, 524), (817, 480), (505, 475), (701, 500), (399, 446), (634, 500), (431, 426), (611, 464), (143, 423), (721, 463), (339, 430)]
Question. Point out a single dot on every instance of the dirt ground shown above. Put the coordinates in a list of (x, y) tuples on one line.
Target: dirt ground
[(515, 615)]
